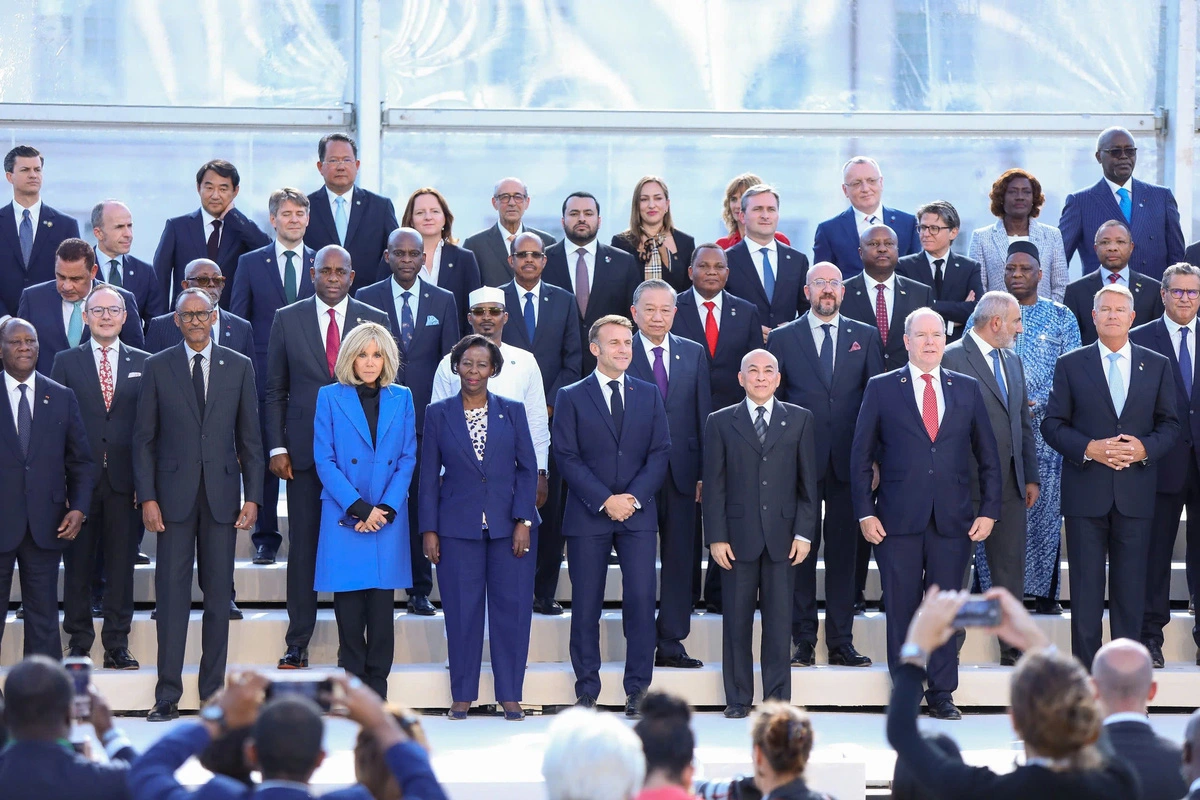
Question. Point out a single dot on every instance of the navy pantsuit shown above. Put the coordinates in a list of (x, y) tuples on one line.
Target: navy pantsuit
[(15, 275), (836, 239)]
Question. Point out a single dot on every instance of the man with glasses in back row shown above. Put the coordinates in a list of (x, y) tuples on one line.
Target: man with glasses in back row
[(494, 245), (956, 280)]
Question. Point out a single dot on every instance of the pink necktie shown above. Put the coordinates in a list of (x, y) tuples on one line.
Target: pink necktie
[(929, 408), (582, 291)]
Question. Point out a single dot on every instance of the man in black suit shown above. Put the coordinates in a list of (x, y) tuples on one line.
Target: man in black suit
[(825, 361), (30, 230), (601, 277), (47, 465), (112, 225), (1114, 248), (494, 245), (544, 321), (956, 280), (678, 368), (1173, 336), (986, 354), (763, 270), (424, 323), (344, 214), (196, 444), (106, 377), (760, 511), (305, 339), (1124, 681), (1112, 415), (216, 231), (228, 329)]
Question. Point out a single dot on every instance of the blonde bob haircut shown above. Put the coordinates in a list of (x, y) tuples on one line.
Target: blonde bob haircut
[(356, 342)]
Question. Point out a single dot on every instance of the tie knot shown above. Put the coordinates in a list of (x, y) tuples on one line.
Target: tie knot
[(112, 262), (332, 315), (872, 219), (1113, 277), (289, 254), (405, 295), (24, 215), (216, 223), (341, 201), (1122, 193), (658, 351), (879, 287), (511, 236), (198, 359), (938, 262), (77, 304), (1112, 358), (995, 354), (760, 411), (1184, 331), (825, 326), (580, 251), (928, 379), (710, 305), (615, 386), (529, 295), (22, 386)]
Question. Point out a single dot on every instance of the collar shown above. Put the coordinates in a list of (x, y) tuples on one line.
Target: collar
[(815, 322), (649, 345), (11, 384), (346, 195), (1128, 185), (1195, 785), (573, 248), (35, 210), (521, 292), (208, 219), (756, 247), (1126, 716), (104, 258), (280, 250), (503, 231), (753, 407), (935, 256), (1174, 327), (1124, 272), (340, 308), (890, 283), (96, 346), (916, 373), (398, 290), (1126, 351), (982, 344), (604, 379), (861, 216), (717, 300), (206, 352)]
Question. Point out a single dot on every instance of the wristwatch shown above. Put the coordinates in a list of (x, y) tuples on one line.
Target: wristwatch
[(528, 523), (911, 653), (214, 714), (543, 473)]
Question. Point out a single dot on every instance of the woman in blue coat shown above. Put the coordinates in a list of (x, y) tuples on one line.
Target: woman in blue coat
[(478, 525), (365, 446)]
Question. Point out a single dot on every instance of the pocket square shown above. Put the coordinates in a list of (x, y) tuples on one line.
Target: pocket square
[(431, 320), (855, 346), (134, 375)]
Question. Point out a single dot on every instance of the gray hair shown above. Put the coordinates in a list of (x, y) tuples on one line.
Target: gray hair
[(1182, 268), (1112, 223), (922, 312), (861, 160), (992, 305), (496, 188), (646, 286), (98, 211), (355, 343), (193, 292), (1109, 132), (758, 188), (591, 756), (1115, 288)]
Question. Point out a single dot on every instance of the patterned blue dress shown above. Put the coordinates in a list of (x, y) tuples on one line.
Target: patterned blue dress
[(1050, 330)]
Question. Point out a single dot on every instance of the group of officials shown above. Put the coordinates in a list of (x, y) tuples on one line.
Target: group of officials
[(644, 397)]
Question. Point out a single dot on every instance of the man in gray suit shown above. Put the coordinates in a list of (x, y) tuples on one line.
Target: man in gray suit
[(985, 355), (196, 443), (493, 245)]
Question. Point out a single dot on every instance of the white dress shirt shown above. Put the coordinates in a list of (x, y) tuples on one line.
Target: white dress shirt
[(207, 219), (205, 361), (508, 237), (889, 295), (666, 348), (281, 261), (987, 349), (818, 333), (414, 298), (106, 269), (35, 215), (589, 258), (703, 310), (114, 350), (606, 390), (323, 317), (519, 311), (919, 389), (14, 393), (756, 255), (753, 407), (1122, 274), (1124, 363), (862, 219), (1173, 328), (519, 381), (434, 267), (1126, 716)]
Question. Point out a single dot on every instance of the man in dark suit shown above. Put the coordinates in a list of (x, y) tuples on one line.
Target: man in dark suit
[(601, 277), (47, 465), (919, 427), (956, 280), (305, 339), (1173, 336), (30, 230), (106, 377), (678, 368), (268, 279), (424, 323), (1150, 211), (1112, 414), (612, 442), (112, 225), (1114, 247), (986, 354), (229, 330), (216, 231), (759, 456), (196, 444), (494, 245), (344, 214), (1124, 681), (56, 307), (763, 270), (825, 361), (837, 239), (548, 327)]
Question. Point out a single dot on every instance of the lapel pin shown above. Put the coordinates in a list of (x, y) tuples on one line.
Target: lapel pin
[(500, 416), (733, 312), (268, 260), (787, 255), (677, 357), (949, 382), (131, 273), (220, 363), (46, 400), (48, 224), (1141, 366), (783, 423), (358, 202), (607, 259), (229, 333), (903, 292), (903, 380)]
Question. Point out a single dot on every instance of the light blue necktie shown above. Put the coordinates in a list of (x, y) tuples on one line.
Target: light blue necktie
[(999, 375), (340, 220), (75, 326), (530, 317), (1116, 384), (1125, 203), (25, 234), (768, 274)]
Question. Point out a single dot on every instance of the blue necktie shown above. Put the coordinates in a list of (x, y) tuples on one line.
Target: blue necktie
[(1116, 384), (25, 234), (826, 354), (530, 318), (1125, 203), (24, 420), (75, 326), (340, 220), (406, 321), (999, 375), (768, 274), (1185, 361)]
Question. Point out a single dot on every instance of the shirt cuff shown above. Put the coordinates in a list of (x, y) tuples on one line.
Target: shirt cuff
[(637, 504), (277, 451), (800, 538)]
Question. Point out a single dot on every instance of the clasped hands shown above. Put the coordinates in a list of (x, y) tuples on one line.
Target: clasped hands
[(1116, 452), (620, 507)]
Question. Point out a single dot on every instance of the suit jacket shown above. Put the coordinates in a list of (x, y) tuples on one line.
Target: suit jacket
[(759, 497), (597, 463), (491, 253), (1192, 254), (1157, 237), (1173, 472), (458, 275), (1080, 409), (235, 333), (960, 277), (258, 293), (15, 275), (688, 404), (175, 446), (372, 220), (836, 239), (989, 246), (435, 331), (1154, 758), (1081, 294), (296, 371), (185, 239), (109, 431), (49, 771), (907, 296), (35, 490), (857, 359), (503, 486), (674, 273), (890, 431), (614, 280), (791, 273), (1011, 422), (41, 304), (556, 346), (739, 332), (138, 278)]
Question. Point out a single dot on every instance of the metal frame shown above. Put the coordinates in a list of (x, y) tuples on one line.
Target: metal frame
[(26, 115)]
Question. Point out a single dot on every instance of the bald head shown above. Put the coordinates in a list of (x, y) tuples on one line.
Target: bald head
[(880, 250), (407, 238), (1124, 676)]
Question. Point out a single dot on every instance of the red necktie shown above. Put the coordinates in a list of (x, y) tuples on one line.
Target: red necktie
[(710, 329), (881, 317), (106, 379), (333, 341), (929, 408), (1113, 277)]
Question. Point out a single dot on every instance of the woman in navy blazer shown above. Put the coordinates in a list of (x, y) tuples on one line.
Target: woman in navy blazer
[(478, 525), (365, 448), (457, 270)]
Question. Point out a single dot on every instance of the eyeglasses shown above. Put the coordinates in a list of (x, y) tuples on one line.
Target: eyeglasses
[(194, 316), (335, 161), (932, 230), (856, 185), (487, 311), (822, 283), (204, 280), (1117, 152), (1179, 294), (520, 254), (516, 197), (106, 311), (414, 254)]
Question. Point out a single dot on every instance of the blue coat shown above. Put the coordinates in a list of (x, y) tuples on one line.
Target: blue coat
[(351, 468), (1154, 223), (836, 239), (53, 228), (503, 485), (41, 306)]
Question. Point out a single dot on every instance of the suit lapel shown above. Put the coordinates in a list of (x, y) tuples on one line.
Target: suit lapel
[(1165, 345), (8, 234), (752, 274), (808, 346), (1137, 374), (351, 406), (323, 217), (1096, 369), (216, 379), (778, 426), (949, 398), (388, 405), (44, 226), (743, 425), (909, 399), (516, 313), (181, 366), (273, 276), (494, 431), (850, 224), (499, 247), (458, 427), (231, 234), (547, 306), (899, 307), (355, 213), (728, 317), (41, 404), (312, 330), (91, 373), (592, 387), (8, 422), (982, 366), (123, 367)]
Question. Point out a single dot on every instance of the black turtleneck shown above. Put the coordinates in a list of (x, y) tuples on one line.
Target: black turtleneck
[(368, 395)]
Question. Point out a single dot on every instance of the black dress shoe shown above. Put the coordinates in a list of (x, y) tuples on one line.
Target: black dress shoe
[(21, 611), (141, 559), (944, 708), (163, 712), (234, 611), (712, 608), (736, 711), (633, 705), (294, 658), (846, 656), (805, 655), (860, 606), (548, 606), (1047, 606), (97, 609), (120, 658), (683, 661), (1009, 656), (419, 604), (264, 555), (154, 613), (1156, 654), (77, 652), (586, 701)]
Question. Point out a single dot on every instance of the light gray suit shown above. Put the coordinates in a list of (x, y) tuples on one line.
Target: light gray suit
[(989, 246)]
